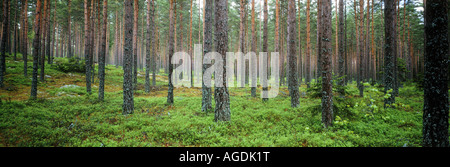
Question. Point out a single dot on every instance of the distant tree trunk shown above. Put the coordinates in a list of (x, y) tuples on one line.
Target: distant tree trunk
[(265, 47), (253, 46), (69, 33), (292, 53), (277, 40), (15, 32), (308, 44), (4, 40), (135, 42), (436, 107), (36, 45), (47, 46), (128, 102), (155, 44), (190, 45), (326, 52), (346, 61), (299, 62), (207, 47), (374, 67), (221, 95), (102, 53), (87, 44), (171, 51), (44, 32), (25, 39), (93, 44), (319, 41), (148, 44), (341, 42), (390, 50), (52, 54), (116, 41), (361, 49)]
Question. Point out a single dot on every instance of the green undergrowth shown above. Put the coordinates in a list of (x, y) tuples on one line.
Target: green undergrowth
[(81, 120)]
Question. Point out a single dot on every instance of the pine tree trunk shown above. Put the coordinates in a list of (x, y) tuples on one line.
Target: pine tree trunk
[(148, 44), (299, 62), (292, 53), (221, 96), (87, 44), (43, 33), (25, 39), (171, 52), (155, 44), (128, 102), (390, 51), (116, 41), (69, 48), (47, 46), (265, 48), (207, 47), (253, 44), (361, 49), (4, 40), (135, 42), (102, 53), (52, 54), (341, 43), (436, 107), (277, 39), (308, 44), (326, 52), (36, 45)]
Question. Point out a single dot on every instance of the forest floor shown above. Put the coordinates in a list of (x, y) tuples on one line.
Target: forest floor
[(64, 115)]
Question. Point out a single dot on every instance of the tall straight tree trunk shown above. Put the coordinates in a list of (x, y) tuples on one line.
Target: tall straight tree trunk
[(4, 40), (326, 52), (42, 50), (69, 48), (36, 45), (308, 44), (25, 39), (155, 43), (299, 62), (356, 53), (52, 54), (367, 44), (15, 32), (346, 62), (87, 44), (319, 41), (190, 45), (116, 41), (93, 44), (292, 53), (171, 51), (390, 50), (135, 42), (341, 42), (207, 47), (277, 39), (47, 46), (102, 54), (253, 44), (361, 49), (128, 101), (436, 107), (148, 44), (265, 46), (374, 58), (221, 95)]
